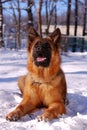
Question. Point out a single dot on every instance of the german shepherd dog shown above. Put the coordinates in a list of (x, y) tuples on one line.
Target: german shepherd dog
[(44, 85)]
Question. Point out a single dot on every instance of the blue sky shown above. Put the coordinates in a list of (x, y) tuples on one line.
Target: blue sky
[(61, 8)]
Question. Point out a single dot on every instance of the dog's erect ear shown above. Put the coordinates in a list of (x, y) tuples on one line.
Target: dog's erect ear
[(32, 34), (56, 36)]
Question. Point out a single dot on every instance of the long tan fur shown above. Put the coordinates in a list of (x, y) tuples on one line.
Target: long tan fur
[(42, 86)]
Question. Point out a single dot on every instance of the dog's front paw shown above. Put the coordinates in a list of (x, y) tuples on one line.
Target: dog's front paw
[(46, 116), (42, 118), (13, 116)]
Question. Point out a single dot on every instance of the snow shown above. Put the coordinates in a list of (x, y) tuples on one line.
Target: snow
[(13, 64)]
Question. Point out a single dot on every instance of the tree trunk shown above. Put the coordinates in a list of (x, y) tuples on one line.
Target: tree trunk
[(50, 8), (84, 18), (68, 17), (51, 14), (1, 25), (84, 26), (1, 22), (39, 18), (55, 17), (46, 6), (18, 29), (30, 16), (76, 17), (76, 24)]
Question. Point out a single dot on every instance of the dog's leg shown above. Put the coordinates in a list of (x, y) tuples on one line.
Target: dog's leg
[(21, 83), (53, 111), (23, 108)]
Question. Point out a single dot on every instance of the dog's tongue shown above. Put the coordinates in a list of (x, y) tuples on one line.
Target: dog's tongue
[(40, 59)]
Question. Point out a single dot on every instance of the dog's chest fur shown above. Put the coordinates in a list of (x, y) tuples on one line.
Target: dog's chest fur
[(44, 92)]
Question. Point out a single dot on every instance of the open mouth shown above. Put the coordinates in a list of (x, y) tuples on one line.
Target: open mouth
[(41, 59)]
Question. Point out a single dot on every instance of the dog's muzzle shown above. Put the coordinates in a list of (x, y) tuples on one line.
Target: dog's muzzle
[(42, 54)]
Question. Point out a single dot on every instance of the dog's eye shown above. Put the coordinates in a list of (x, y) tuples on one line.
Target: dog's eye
[(37, 46)]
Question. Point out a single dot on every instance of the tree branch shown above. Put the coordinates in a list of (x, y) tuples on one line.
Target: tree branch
[(5, 1)]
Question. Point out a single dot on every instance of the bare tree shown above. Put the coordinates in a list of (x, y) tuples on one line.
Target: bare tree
[(39, 18), (19, 26), (17, 17), (29, 3), (68, 17), (76, 17), (46, 5), (50, 6), (84, 24), (76, 24), (29, 11), (1, 21), (55, 22), (85, 17), (1, 24)]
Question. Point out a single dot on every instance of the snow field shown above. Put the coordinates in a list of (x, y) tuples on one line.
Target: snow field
[(13, 64)]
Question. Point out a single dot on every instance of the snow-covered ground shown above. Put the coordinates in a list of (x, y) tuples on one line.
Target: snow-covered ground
[(13, 64)]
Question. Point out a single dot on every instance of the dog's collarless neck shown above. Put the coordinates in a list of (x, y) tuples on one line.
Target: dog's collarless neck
[(41, 81)]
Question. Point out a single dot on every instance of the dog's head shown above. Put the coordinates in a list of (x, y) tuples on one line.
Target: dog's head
[(41, 49)]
